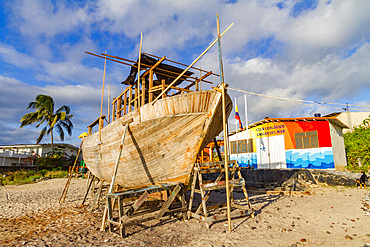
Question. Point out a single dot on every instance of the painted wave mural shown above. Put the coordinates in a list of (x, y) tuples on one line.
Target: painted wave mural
[(245, 159), (312, 158)]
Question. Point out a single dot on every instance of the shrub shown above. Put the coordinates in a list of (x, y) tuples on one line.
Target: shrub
[(357, 144)]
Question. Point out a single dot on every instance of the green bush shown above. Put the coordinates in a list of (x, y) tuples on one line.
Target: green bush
[(357, 144)]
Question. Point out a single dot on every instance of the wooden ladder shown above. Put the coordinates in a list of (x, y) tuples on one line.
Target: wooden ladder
[(205, 190)]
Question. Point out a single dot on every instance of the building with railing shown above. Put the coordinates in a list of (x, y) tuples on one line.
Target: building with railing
[(25, 154)]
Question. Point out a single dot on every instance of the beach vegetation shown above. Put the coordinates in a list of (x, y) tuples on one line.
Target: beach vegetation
[(357, 144)]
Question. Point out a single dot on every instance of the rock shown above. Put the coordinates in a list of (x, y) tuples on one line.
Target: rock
[(348, 237)]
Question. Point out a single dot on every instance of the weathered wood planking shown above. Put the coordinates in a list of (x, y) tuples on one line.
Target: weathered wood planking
[(162, 142)]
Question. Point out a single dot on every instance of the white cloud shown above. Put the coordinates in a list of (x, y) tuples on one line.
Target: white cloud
[(9, 54), (35, 18), (321, 54)]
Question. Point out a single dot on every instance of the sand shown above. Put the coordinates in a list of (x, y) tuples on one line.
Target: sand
[(30, 215)]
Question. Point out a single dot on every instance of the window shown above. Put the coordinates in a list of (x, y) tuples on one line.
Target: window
[(243, 146), (306, 140)]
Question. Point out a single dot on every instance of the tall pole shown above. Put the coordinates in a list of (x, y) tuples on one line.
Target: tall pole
[(236, 135), (223, 85), (108, 115), (246, 126), (138, 72), (102, 97)]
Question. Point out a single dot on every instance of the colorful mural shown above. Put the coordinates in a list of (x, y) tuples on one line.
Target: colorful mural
[(312, 158), (270, 154)]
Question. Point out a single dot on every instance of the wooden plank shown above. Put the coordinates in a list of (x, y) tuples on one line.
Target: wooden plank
[(96, 121), (168, 202), (160, 87), (131, 210), (121, 94)]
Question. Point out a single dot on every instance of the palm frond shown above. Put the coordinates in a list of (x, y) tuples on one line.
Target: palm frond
[(64, 108), (42, 133), (59, 129)]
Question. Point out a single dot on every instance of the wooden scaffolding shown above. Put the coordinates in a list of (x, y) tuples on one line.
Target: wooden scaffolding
[(205, 188)]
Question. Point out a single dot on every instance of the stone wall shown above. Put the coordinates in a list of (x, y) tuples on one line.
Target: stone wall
[(264, 178)]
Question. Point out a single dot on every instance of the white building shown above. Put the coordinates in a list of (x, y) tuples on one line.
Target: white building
[(351, 119), (23, 154)]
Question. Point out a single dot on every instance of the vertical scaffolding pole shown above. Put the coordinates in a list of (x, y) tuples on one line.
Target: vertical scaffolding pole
[(223, 85)]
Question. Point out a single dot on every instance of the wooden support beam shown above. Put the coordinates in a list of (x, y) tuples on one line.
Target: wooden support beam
[(143, 91), (180, 63), (163, 89), (125, 103), (113, 110), (196, 60), (150, 86), (129, 100)]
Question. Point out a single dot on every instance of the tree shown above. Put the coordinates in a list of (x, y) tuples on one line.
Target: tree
[(60, 120), (357, 145)]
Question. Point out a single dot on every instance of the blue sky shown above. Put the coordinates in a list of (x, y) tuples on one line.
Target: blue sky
[(309, 50)]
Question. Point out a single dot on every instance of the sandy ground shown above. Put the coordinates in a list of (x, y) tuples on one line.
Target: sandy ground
[(30, 215)]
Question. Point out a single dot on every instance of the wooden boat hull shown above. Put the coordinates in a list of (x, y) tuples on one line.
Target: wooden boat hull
[(161, 143)]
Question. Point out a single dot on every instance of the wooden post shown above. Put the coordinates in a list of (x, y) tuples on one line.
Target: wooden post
[(101, 105), (113, 109), (143, 91), (163, 88), (125, 103), (107, 208), (138, 72), (108, 115), (136, 98), (65, 190), (223, 85), (150, 85), (129, 99), (101, 123), (119, 105)]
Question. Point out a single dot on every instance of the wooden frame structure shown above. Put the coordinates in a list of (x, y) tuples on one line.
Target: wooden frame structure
[(199, 186), (135, 96), (136, 212)]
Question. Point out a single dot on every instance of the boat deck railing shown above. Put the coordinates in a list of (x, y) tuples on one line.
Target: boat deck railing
[(147, 90)]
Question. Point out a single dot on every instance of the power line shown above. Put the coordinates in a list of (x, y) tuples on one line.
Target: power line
[(303, 102)]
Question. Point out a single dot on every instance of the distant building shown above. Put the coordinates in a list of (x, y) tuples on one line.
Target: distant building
[(312, 142), (24, 154), (351, 119)]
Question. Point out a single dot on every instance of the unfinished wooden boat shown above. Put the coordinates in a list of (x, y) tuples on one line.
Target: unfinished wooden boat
[(165, 135)]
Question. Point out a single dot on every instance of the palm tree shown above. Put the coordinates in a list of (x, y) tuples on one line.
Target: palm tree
[(44, 113)]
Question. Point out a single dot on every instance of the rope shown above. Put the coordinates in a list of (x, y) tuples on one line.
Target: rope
[(299, 101)]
